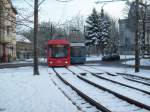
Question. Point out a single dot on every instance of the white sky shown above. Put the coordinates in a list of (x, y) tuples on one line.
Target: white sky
[(58, 12)]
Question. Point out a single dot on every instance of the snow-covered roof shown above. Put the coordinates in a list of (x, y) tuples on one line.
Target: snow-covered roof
[(21, 38)]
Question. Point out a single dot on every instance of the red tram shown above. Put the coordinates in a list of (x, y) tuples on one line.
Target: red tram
[(58, 53)]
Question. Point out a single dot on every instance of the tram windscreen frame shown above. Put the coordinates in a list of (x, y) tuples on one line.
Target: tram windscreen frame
[(58, 51), (77, 51)]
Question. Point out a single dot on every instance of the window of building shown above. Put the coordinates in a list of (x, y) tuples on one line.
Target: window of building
[(8, 29)]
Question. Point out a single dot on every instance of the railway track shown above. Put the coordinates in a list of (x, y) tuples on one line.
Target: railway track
[(121, 81), (93, 99), (114, 86), (79, 102), (133, 78), (72, 95), (100, 97)]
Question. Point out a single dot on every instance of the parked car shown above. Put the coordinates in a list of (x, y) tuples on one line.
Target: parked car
[(111, 57)]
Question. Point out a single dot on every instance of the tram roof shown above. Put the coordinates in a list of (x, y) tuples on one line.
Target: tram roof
[(77, 44), (59, 41)]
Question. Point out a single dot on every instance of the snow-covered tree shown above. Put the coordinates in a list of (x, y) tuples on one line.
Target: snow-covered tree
[(104, 27), (92, 28), (97, 29)]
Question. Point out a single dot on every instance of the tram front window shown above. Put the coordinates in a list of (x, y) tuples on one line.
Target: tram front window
[(59, 51)]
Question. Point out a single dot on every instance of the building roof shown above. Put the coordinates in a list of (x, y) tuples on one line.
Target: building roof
[(21, 38)]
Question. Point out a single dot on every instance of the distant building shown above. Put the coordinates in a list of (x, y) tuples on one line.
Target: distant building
[(126, 38), (7, 31), (23, 47), (76, 35), (127, 31), (147, 36)]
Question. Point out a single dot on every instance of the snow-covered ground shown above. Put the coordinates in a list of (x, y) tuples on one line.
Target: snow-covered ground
[(92, 58), (143, 62), (20, 91), (127, 56)]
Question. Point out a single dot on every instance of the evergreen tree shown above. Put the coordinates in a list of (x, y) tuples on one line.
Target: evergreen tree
[(98, 26), (104, 27), (92, 28)]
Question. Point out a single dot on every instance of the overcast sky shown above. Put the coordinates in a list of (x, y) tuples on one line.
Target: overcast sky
[(58, 12)]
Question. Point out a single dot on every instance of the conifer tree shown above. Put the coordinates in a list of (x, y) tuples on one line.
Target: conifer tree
[(98, 27), (92, 28), (104, 27)]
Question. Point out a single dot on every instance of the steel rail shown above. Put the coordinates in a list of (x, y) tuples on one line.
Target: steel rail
[(140, 77), (66, 95), (102, 70), (129, 100), (84, 96), (101, 77), (147, 92), (134, 80), (116, 82)]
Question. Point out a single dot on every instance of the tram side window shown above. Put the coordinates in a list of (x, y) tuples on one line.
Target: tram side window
[(59, 51), (77, 51)]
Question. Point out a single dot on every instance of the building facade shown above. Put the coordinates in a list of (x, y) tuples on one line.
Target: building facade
[(127, 31), (126, 38), (147, 28), (7, 31), (24, 48)]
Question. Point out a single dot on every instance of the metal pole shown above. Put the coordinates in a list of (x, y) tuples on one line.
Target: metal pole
[(137, 61), (36, 71)]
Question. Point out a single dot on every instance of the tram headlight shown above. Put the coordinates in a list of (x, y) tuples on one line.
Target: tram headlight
[(50, 62), (66, 62)]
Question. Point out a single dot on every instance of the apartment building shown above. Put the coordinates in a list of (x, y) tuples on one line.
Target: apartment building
[(7, 31)]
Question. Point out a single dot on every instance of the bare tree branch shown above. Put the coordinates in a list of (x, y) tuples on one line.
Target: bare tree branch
[(29, 4), (41, 2)]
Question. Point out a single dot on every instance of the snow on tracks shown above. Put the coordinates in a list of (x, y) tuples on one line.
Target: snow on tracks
[(132, 94), (118, 79), (83, 105), (105, 98)]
